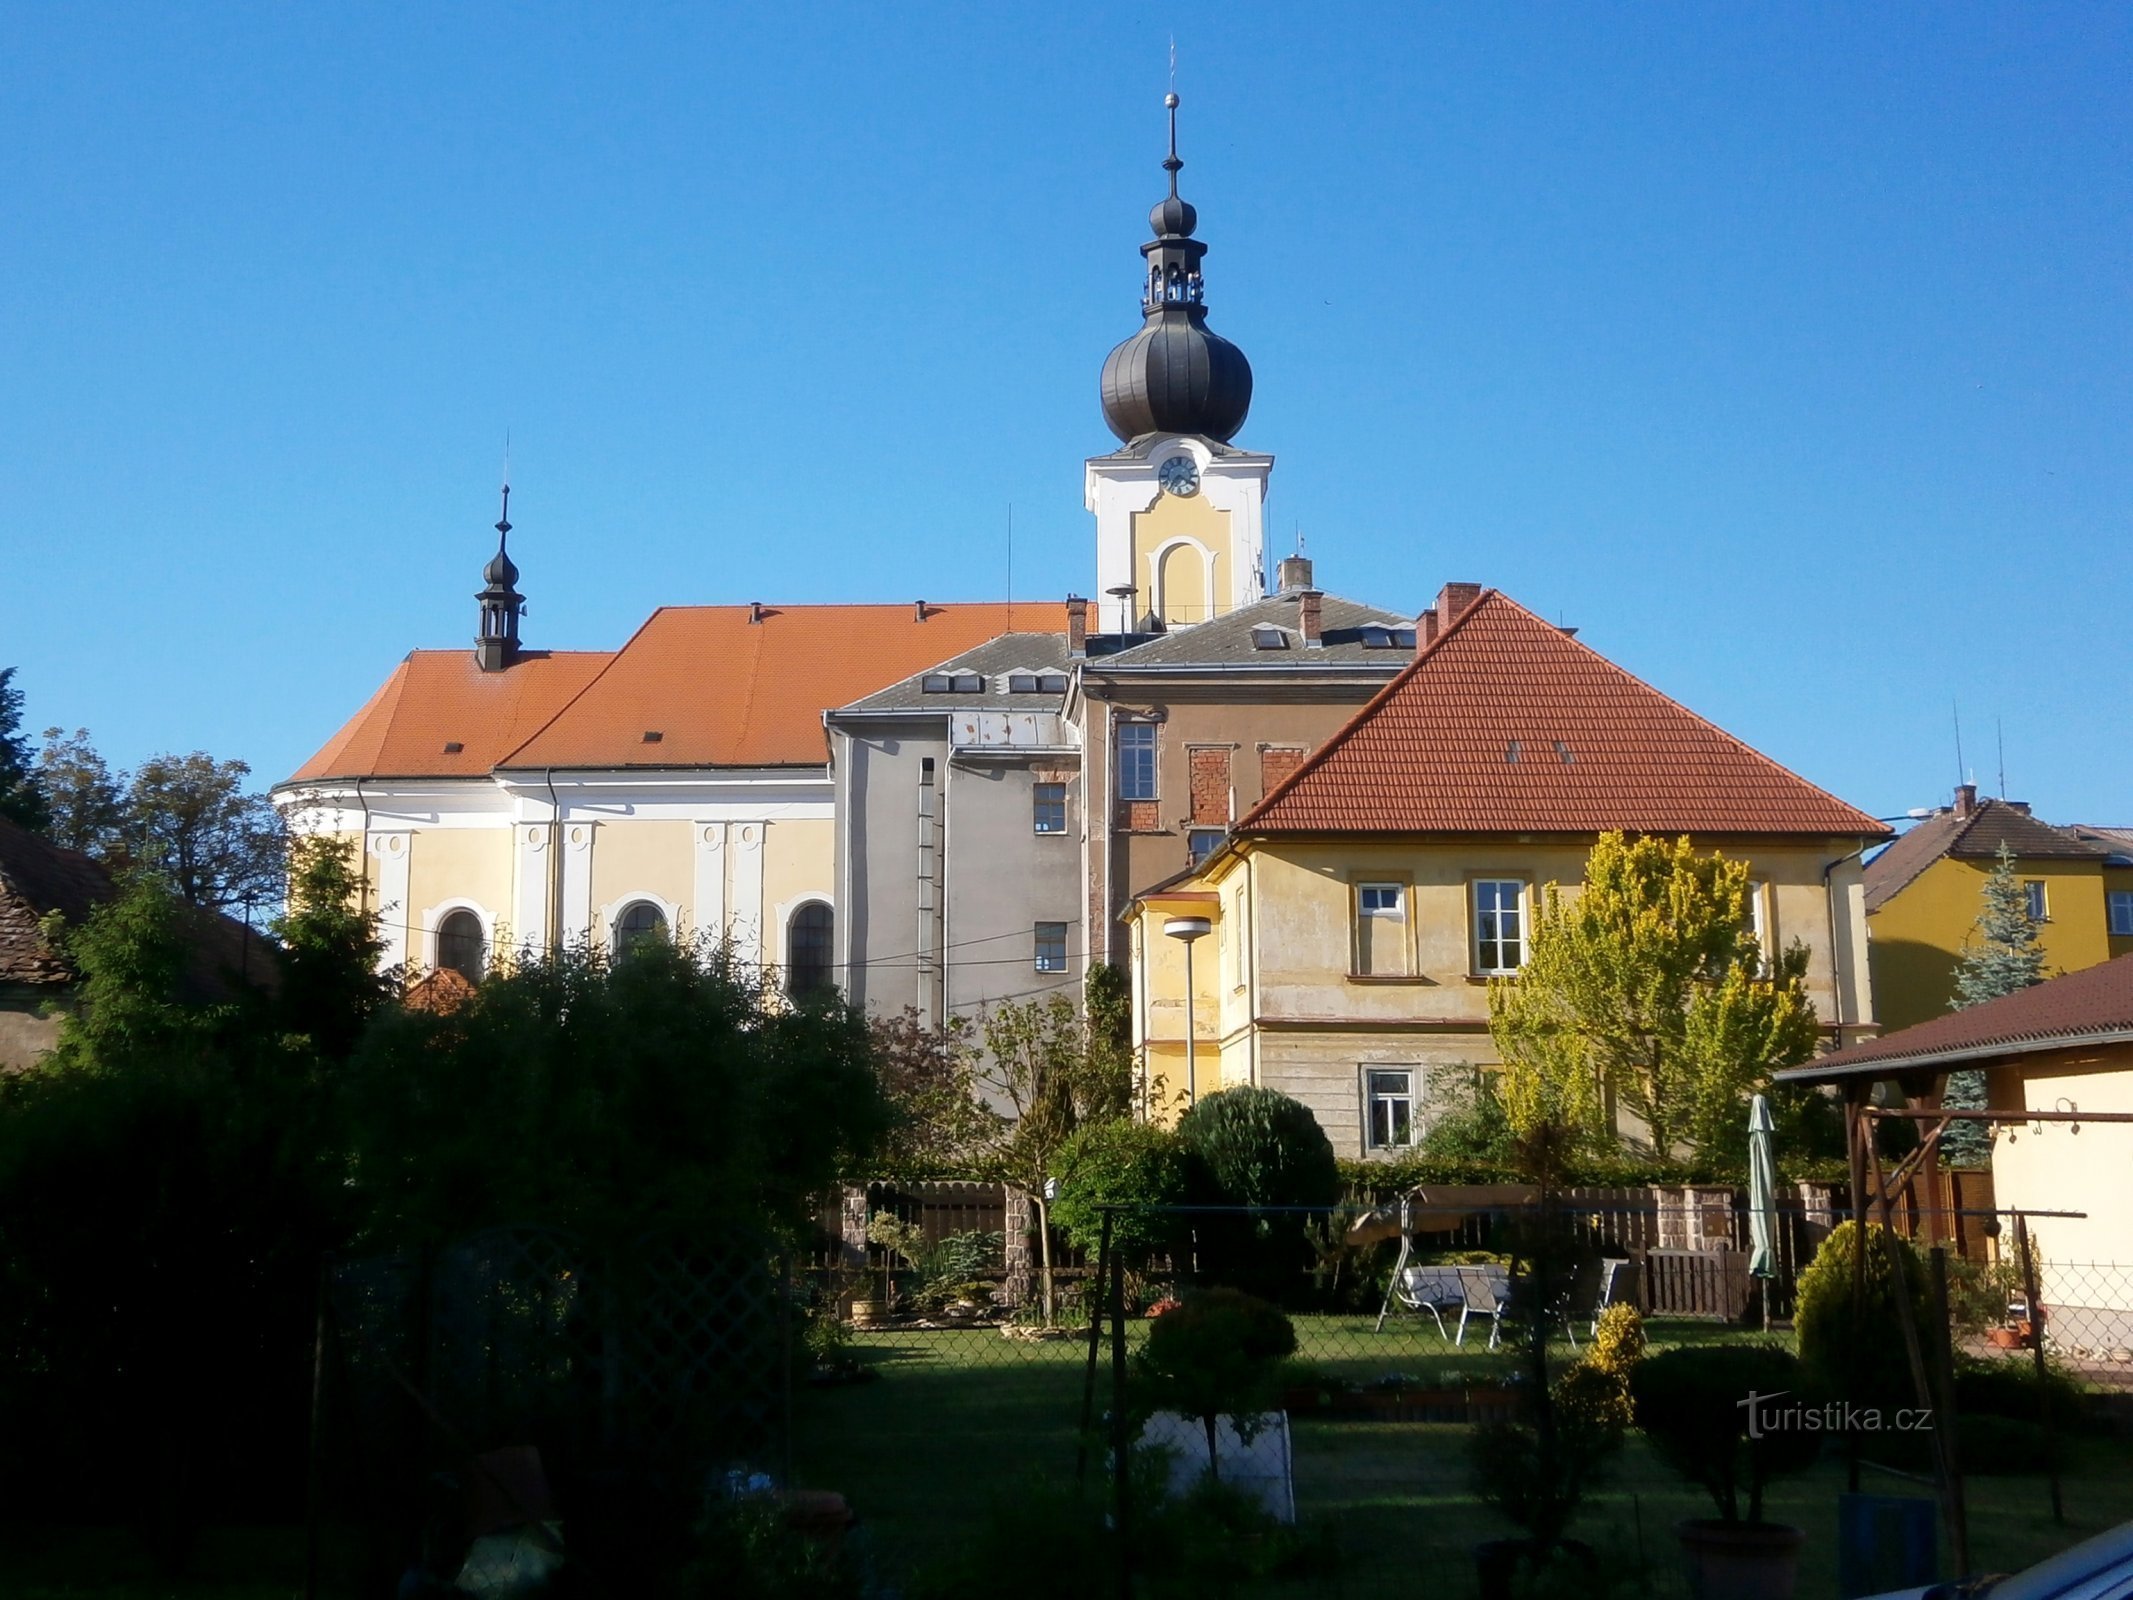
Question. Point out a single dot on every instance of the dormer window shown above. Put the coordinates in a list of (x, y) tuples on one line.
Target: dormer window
[(1036, 683), (952, 683), (1265, 636), (1376, 636)]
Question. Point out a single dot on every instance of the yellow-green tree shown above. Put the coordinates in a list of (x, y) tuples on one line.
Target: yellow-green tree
[(1649, 984)]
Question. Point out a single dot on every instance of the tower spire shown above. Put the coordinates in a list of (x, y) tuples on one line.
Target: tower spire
[(496, 645), (1175, 375)]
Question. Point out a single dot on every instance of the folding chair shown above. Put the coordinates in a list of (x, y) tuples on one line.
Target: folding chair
[(1484, 1292)]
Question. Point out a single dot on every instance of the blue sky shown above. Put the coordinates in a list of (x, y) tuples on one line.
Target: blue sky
[(1786, 350)]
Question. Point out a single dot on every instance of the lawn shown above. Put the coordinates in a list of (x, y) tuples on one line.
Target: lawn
[(959, 1419)]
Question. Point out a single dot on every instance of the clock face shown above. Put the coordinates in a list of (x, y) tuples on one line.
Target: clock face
[(1179, 475)]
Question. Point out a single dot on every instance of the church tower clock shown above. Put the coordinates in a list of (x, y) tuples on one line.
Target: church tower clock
[(1180, 512)]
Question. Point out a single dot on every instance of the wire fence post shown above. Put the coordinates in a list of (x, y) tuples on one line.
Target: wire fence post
[(1945, 1421), (314, 1465), (1121, 1442), (1088, 1382), (2026, 1248)]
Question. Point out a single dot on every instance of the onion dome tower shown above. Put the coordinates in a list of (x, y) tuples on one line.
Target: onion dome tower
[(496, 646), (1174, 376)]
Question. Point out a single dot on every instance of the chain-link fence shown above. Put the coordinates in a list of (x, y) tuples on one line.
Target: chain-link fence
[(978, 1445)]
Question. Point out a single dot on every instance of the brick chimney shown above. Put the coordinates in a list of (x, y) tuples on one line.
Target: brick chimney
[(1293, 576), (1965, 799), (1077, 627), (1308, 602), (1454, 598), (1425, 630)]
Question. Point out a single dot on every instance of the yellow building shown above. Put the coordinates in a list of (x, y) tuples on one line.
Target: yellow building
[(1925, 893), (1354, 918)]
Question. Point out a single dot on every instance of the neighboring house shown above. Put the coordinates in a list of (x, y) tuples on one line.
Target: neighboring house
[(37, 879), (958, 803), (1185, 731), (507, 798), (2061, 1046), (1924, 894), (1359, 911)]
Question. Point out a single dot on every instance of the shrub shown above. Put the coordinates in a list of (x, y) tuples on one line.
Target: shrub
[(1123, 1164), (1618, 1342), (1689, 1404), (1260, 1148), (1595, 1392), (1831, 1337), (2006, 1386)]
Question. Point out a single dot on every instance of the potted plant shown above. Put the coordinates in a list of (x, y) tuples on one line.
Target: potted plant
[(1713, 1414), (1219, 1354)]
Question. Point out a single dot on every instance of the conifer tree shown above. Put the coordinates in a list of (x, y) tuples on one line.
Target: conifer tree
[(21, 797), (2005, 953)]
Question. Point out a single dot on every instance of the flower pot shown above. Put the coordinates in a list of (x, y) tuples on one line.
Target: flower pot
[(2003, 1338), (1739, 1560), (867, 1314)]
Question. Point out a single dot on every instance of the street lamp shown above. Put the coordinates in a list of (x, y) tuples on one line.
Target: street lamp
[(1186, 930)]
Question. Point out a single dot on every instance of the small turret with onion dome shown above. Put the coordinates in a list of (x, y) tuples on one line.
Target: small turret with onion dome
[(496, 646), (1174, 376)]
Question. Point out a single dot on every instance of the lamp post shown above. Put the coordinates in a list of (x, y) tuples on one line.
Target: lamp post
[(1186, 930)]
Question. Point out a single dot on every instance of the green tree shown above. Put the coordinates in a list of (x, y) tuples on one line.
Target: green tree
[(938, 1123), (21, 796), (1649, 983), (332, 982), (2005, 952), (86, 803), (1048, 1076), (189, 818)]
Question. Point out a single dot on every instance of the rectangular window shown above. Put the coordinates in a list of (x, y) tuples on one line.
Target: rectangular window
[(2033, 891), (1389, 1107), (2118, 904), (1381, 930), (1051, 947), (1758, 924), (1203, 842), (1136, 761), (1499, 924), (1048, 807)]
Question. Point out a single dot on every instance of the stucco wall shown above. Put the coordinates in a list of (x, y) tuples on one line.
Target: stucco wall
[(457, 866), (1918, 936), (1002, 879), (25, 1035), (799, 865), (2049, 1167)]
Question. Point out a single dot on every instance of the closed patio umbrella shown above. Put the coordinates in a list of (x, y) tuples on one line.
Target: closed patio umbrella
[(1762, 1198)]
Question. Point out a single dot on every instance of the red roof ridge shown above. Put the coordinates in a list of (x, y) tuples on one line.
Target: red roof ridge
[(1317, 761), (584, 689), (1341, 735)]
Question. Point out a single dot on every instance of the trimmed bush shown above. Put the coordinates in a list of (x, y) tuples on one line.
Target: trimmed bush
[(1260, 1148), (1689, 1402), (1123, 1164), (1218, 1354), (1831, 1337)]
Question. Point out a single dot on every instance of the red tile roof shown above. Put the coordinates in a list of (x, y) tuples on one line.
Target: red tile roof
[(1506, 724), (439, 698), (719, 689), (2092, 1005)]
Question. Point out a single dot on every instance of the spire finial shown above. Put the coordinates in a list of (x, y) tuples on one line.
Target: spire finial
[(503, 523), (1171, 163)]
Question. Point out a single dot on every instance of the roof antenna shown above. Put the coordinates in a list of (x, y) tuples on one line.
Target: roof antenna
[(1010, 555), (1999, 734), (1959, 769)]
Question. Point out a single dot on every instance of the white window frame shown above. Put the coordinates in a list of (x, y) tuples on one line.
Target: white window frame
[(631, 903), (2118, 912), (1037, 950), (1373, 1097), (1118, 758), (1391, 900), (2037, 898), (1521, 908)]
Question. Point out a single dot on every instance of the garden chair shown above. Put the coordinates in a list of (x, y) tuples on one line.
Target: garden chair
[(1600, 1283), (1485, 1292)]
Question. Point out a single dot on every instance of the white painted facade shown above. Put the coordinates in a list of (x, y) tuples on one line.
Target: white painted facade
[(1119, 487)]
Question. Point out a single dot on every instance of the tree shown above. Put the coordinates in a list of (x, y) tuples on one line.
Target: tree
[(187, 818), (331, 981), (929, 1077), (1649, 983), (86, 804), (1042, 1068), (2004, 953), (21, 797)]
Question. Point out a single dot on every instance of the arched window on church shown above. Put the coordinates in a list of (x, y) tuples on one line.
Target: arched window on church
[(461, 947), (808, 949), (640, 922)]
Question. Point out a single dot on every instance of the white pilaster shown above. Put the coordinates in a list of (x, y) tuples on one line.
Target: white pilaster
[(707, 911), (744, 912), (577, 881), (393, 851), (531, 862)]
